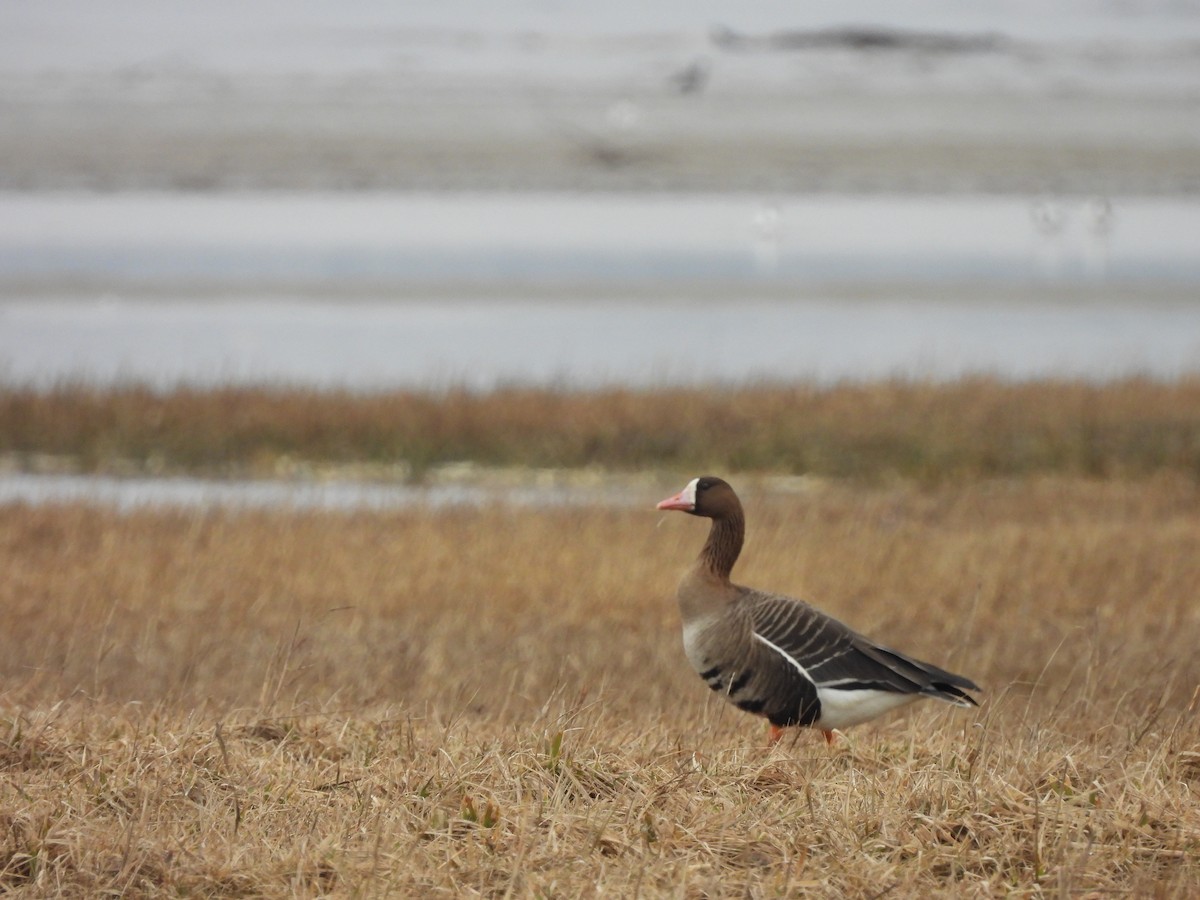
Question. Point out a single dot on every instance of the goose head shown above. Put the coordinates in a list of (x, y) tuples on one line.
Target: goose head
[(706, 496)]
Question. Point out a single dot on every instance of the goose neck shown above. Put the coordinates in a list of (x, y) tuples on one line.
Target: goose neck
[(723, 546)]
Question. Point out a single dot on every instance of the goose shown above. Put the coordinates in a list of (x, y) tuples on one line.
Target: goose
[(778, 657)]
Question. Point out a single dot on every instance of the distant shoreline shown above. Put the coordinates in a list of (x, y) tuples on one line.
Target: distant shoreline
[(209, 132)]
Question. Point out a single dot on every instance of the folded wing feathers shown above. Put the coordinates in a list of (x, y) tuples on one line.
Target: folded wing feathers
[(928, 678), (835, 656)]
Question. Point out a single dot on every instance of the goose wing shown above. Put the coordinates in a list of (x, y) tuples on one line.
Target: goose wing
[(834, 656)]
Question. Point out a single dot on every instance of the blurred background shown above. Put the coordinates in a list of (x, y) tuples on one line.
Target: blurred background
[(371, 195)]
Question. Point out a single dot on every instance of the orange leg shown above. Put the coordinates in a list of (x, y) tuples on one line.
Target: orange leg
[(777, 733)]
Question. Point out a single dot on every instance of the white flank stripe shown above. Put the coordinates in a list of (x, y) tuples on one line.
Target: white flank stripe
[(841, 709), (791, 659)]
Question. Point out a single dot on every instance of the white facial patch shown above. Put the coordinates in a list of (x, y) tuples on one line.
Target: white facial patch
[(689, 493)]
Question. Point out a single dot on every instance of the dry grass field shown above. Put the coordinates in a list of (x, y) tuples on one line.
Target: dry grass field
[(494, 702)]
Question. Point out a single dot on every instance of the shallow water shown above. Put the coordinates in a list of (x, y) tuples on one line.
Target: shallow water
[(338, 241), (481, 344), (126, 494), (389, 290)]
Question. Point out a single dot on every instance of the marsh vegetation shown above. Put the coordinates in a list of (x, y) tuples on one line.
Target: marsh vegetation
[(873, 431)]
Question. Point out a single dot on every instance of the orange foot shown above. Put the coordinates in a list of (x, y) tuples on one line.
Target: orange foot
[(777, 733)]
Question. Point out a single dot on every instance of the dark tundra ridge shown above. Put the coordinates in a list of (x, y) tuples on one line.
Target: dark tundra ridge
[(861, 37)]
